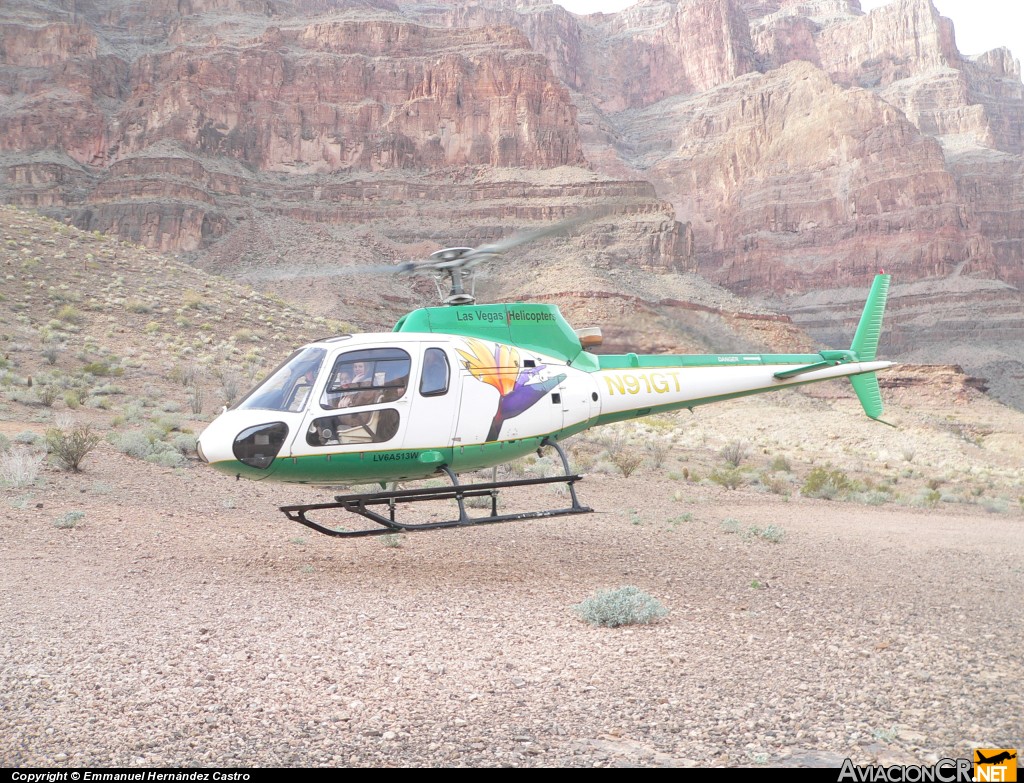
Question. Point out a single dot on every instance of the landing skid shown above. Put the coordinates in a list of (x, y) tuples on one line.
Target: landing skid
[(364, 504)]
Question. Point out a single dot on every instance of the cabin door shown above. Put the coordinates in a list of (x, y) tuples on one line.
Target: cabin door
[(510, 402), (434, 401)]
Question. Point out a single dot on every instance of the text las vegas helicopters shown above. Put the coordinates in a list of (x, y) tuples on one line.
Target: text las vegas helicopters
[(460, 387)]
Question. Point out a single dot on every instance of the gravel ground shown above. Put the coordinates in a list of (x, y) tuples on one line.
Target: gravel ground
[(185, 622)]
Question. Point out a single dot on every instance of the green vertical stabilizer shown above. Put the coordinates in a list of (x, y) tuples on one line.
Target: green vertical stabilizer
[(865, 345), (870, 396), (865, 341)]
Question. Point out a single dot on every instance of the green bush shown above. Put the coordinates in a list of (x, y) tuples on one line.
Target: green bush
[(69, 314), (137, 306), (69, 448), (102, 369), (825, 484), (730, 478), (622, 606)]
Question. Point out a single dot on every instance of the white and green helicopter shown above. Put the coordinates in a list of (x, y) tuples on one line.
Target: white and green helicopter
[(463, 386)]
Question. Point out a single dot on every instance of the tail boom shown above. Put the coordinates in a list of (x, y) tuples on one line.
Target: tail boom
[(630, 385), (638, 391)]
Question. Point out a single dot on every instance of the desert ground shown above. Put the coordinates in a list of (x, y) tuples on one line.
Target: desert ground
[(157, 613), (185, 622)]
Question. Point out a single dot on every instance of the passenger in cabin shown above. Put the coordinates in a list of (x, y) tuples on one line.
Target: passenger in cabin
[(342, 380), (361, 379)]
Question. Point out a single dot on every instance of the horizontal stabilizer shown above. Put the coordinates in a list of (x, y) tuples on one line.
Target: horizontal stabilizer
[(828, 359), (783, 374)]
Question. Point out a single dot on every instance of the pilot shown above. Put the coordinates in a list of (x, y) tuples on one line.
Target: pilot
[(304, 377)]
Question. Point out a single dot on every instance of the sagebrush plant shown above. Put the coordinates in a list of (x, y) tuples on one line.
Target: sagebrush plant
[(626, 460), (70, 447), (149, 445), (658, 450), (69, 520), (734, 453), (730, 525), (772, 533), (627, 605), (19, 467), (28, 438)]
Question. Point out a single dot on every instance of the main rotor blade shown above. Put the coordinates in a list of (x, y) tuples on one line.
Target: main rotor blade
[(298, 272), (484, 252), (467, 260)]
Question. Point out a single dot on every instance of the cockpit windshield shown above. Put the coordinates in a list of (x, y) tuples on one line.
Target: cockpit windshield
[(288, 387)]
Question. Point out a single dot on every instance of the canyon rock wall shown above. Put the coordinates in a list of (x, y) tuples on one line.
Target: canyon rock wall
[(774, 147)]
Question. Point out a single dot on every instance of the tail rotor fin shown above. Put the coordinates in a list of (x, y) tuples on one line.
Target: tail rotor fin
[(865, 341), (869, 394), (865, 346)]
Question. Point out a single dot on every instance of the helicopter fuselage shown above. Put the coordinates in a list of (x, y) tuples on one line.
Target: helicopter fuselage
[(469, 387)]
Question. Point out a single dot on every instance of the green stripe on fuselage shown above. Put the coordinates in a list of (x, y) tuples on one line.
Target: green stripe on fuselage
[(390, 465)]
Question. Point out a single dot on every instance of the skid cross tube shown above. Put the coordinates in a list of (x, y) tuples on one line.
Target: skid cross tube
[(362, 504)]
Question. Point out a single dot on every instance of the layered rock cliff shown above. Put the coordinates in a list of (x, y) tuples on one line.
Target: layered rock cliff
[(775, 147)]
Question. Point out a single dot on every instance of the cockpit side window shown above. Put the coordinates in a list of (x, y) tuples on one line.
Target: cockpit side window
[(289, 386), (366, 377), (434, 380)]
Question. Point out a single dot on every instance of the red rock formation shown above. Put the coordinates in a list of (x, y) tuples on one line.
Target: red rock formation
[(649, 51), (801, 143), (789, 179), (318, 99)]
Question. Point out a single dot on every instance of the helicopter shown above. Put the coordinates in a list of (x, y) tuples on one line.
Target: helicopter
[(464, 386)]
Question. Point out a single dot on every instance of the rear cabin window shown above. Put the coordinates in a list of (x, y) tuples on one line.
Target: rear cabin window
[(366, 377), (434, 380)]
